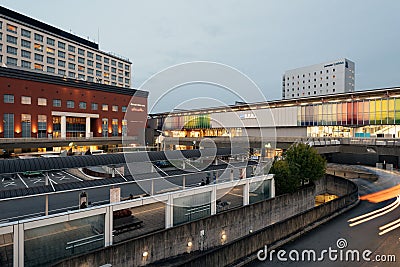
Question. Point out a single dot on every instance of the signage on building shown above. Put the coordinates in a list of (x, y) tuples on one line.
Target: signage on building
[(247, 116), (334, 64)]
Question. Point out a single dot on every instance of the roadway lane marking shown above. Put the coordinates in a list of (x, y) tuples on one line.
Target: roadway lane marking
[(38, 180), (22, 180), (7, 184), (70, 175)]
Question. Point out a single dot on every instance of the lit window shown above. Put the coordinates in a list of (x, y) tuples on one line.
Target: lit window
[(71, 57), (115, 108), (11, 28), (50, 50), (38, 66), (106, 75), (42, 101), (25, 100), (38, 47), (81, 68), (104, 107)]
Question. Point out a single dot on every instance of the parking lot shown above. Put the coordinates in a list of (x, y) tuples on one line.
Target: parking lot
[(21, 180)]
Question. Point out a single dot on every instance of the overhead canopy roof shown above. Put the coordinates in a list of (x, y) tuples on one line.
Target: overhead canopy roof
[(58, 163)]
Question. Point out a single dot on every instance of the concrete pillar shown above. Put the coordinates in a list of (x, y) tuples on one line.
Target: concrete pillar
[(87, 127), (108, 227), (214, 200), (63, 127), (18, 245), (272, 187), (231, 175), (246, 193), (169, 212)]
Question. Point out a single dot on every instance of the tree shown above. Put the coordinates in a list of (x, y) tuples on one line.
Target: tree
[(284, 182), (300, 163), (305, 164)]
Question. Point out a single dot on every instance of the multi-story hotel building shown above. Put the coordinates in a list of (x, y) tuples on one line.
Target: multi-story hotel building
[(33, 45), (319, 79)]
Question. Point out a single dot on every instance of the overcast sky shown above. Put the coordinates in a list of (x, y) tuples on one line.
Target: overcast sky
[(260, 38)]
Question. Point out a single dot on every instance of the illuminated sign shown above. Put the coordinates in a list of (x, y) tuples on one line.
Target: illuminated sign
[(334, 64), (247, 116)]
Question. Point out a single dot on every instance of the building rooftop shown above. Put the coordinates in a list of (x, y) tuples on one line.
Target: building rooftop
[(36, 76), (367, 94)]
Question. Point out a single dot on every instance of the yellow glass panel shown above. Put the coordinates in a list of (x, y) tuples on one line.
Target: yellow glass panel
[(378, 111), (372, 115), (384, 111)]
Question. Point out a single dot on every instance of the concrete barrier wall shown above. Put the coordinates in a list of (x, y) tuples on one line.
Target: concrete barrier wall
[(268, 221)]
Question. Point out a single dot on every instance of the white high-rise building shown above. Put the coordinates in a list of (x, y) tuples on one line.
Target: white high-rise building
[(33, 45), (320, 79)]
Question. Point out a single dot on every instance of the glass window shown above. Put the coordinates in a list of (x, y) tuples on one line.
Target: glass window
[(25, 43), (81, 68), (98, 73), (12, 61), (71, 66), (128, 80), (38, 66), (38, 57), (25, 54), (124, 127), (57, 103), (127, 68), (104, 107), (114, 123), (71, 57), (26, 125), (71, 48), (81, 51), (71, 74), (61, 54), (70, 104), (104, 127), (81, 60), (98, 65), (120, 65), (11, 39), (11, 50), (89, 54), (61, 45), (106, 60), (90, 71), (50, 41), (8, 98), (113, 62), (26, 33), (61, 72), (42, 101), (106, 75), (38, 47), (115, 108), (38, 37), (107, 68), (50, 51), (11, 28), (123, 108), (113, 77), (61, 63), (90, 79), (25, 100), (25, 64), (8, 122), (42, 126), (98, 57), (113, 70), (95, 106), (51, 70), (82, 105), (81, 77), (51, 60), (90, 62), (127, 74)]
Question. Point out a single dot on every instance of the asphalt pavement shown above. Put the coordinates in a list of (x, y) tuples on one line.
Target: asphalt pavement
[(361, 237)]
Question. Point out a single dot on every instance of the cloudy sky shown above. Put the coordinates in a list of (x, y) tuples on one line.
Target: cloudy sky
[(262, 39)]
